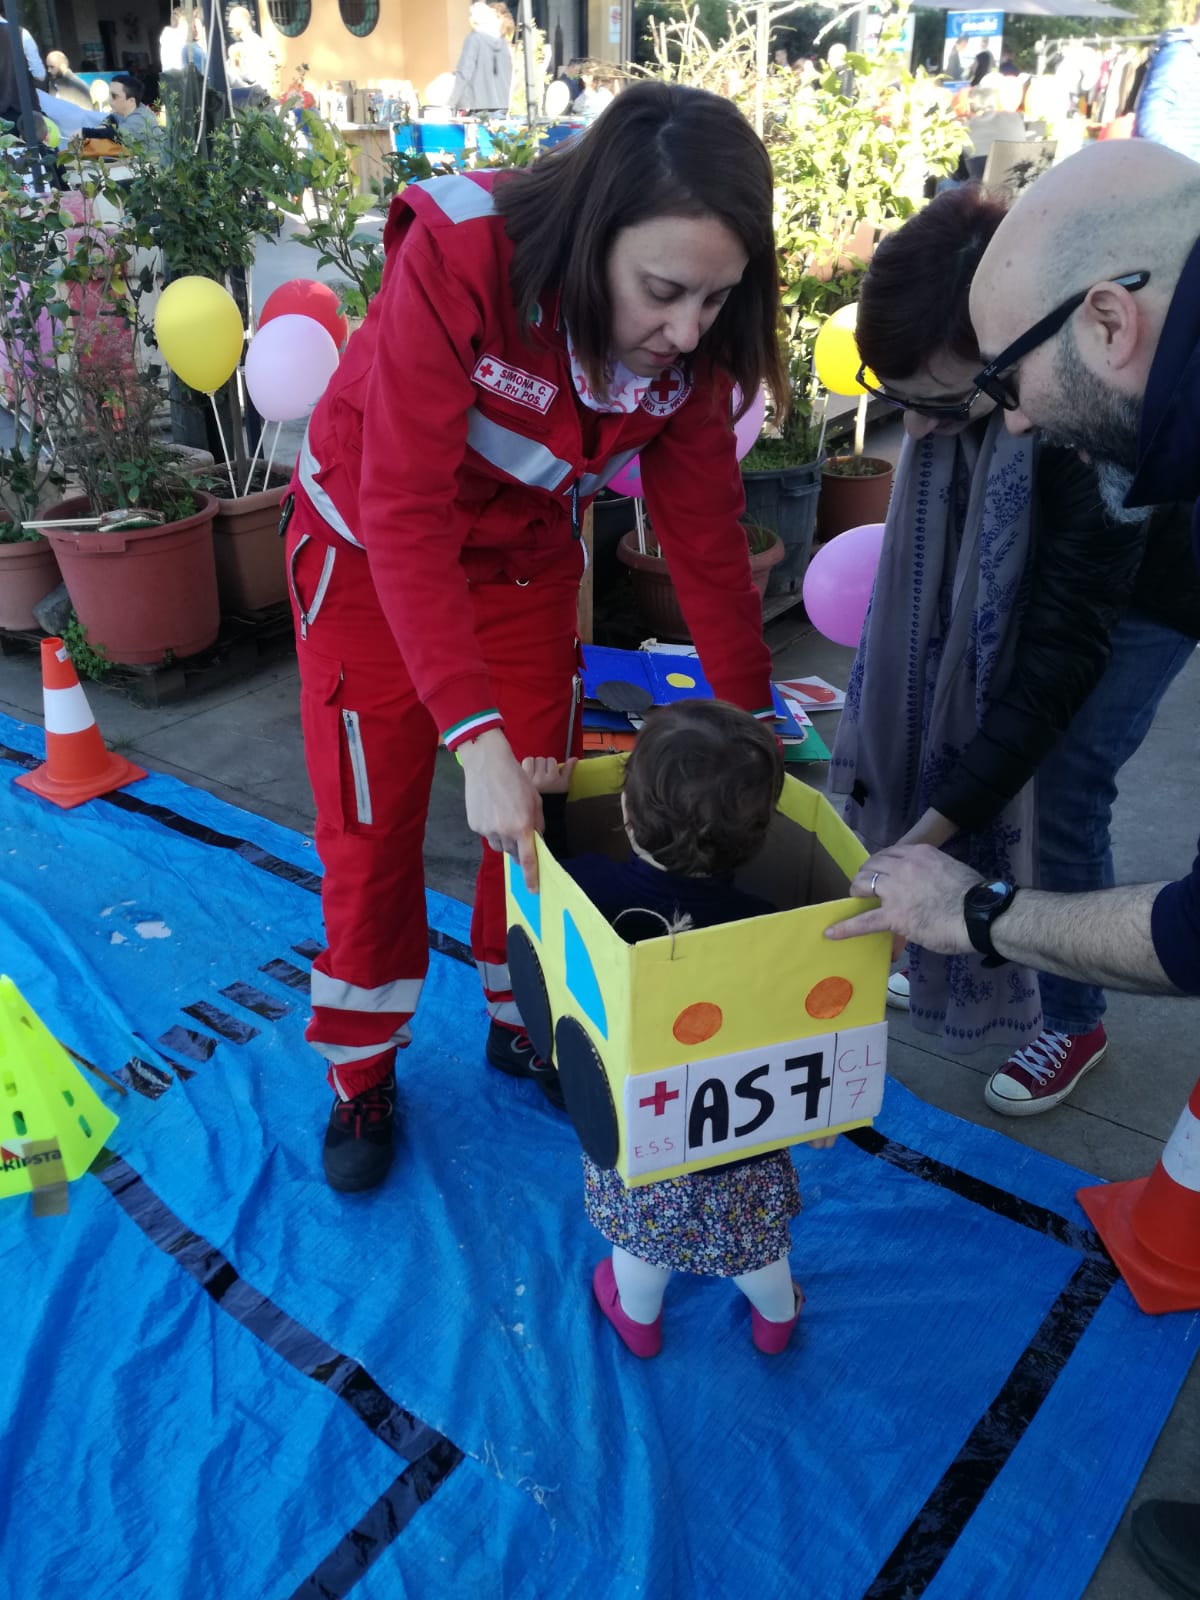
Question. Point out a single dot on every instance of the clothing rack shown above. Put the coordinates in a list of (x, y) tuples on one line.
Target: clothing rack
[(1043, 47)]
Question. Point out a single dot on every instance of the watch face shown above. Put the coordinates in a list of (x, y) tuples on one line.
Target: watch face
[(985, 895)]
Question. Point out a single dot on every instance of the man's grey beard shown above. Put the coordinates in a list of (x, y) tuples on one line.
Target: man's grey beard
[(1102, 421), (1114, 483)]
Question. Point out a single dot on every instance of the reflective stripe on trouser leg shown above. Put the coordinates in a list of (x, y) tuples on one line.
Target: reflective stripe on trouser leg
[(367, 983), (526, 634), (497, 992)]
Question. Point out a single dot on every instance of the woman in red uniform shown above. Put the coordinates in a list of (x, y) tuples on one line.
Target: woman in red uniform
[(533, 332)]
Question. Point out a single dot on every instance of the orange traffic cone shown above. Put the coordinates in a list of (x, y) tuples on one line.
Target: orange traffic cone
[(78, 766), (1151, 1226)]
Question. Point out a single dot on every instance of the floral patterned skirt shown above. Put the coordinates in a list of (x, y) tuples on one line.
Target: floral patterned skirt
[(722, 1223)]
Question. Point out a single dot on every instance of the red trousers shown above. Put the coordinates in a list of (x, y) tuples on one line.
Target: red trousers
[(370, 746)]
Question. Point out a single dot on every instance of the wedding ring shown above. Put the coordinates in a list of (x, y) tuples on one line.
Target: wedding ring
[(874, 881)]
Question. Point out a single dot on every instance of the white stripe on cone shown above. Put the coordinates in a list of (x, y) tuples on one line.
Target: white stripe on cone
[(1181, 1157), (67, 710)]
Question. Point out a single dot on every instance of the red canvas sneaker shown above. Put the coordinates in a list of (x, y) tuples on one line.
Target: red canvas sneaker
[(1044, 1072)]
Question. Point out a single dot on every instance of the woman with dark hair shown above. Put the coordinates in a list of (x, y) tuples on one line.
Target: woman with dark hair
[(533, 332), (1015, 628)]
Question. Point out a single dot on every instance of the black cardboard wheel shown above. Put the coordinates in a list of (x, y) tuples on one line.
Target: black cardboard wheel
[(585, 1089), (617, 695), (529, 991)]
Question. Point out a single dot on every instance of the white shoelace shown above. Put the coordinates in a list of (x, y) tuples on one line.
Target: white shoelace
[(1045, 1055)]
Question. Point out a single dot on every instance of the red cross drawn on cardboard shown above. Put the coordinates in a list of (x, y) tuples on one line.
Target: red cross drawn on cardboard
[(660, 1097)]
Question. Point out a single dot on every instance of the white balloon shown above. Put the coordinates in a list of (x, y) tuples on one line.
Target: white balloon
[(288, 367)]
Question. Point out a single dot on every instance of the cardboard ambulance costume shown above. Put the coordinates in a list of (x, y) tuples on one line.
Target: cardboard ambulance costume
[(691, 1050)]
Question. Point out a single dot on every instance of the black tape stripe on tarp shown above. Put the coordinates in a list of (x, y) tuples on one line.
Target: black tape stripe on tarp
[(254, 855), (391, 1513), (979, 1192), (263, 1005), (196, 1046), (284, 972), (231, 1028), (931, 1535), (302, 1349)]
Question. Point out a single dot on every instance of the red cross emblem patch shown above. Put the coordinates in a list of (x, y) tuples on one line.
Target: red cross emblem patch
[(667, 392)]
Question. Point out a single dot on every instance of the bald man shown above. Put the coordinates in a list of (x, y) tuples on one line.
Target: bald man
[(1088, 303)]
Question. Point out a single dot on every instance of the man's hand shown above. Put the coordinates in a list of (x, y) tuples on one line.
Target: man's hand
[(502, 804), (920, 891)]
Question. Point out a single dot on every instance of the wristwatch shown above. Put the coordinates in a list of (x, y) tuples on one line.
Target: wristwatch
[(982, 904)]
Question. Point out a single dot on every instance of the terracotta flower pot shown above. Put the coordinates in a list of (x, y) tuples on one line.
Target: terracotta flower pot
[(28, 573), (142, 593), (251, 568), (654, 589), (849, 501)]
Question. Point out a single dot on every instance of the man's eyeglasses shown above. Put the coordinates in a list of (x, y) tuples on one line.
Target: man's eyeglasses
[(936, 410), (997, 380)]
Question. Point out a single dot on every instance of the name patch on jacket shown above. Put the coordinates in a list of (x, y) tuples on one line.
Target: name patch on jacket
[(667, 393), (511, 383)]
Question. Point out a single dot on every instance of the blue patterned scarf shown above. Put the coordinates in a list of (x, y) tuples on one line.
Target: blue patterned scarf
[(941, 629)]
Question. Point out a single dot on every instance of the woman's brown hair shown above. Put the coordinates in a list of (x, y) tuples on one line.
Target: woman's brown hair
[(915, 297), (701, 785), (658, 150)]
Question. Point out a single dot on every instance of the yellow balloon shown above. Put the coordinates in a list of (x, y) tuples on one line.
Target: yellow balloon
[(199, 331), (835, 353)]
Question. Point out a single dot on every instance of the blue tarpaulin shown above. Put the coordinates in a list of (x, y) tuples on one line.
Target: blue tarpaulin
[(222, 1378)]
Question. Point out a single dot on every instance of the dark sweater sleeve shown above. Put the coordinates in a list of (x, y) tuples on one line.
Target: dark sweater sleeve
[(1175, 930), (1081, 576)]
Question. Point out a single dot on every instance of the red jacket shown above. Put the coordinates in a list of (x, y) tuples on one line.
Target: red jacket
[(451, 446)]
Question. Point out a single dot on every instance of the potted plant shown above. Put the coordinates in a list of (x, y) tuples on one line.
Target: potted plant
[(31, 250), (206, 205), (653, 586), (782, 477), (135, 547)]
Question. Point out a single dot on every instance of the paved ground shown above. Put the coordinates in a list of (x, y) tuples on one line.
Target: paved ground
[(243, 743)]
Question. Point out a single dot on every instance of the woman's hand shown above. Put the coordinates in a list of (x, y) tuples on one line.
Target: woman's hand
[(503, 806)]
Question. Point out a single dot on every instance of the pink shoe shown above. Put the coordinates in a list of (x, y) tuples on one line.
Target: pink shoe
[(643, 1338), (772, 1338)]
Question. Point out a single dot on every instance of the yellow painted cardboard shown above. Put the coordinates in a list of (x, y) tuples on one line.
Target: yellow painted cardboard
[(716, 1000)]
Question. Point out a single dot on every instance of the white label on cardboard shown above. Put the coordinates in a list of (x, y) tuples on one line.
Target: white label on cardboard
[(753, 1098), (654, 1119), (859, 1069), (512, 383)]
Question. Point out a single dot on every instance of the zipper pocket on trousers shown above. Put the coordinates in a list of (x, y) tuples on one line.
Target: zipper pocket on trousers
[(358, 767), (576, 696)]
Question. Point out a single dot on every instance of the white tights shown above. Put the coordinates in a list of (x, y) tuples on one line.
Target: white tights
[(641, 1287)]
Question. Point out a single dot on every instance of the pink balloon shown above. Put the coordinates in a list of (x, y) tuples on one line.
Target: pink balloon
[(748, 426), (839, 580), (290, 361), (628, 480)]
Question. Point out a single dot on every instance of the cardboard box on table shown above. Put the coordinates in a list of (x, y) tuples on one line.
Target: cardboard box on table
[(692, 1049)]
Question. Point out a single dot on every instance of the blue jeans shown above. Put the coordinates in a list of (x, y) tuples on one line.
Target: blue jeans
[(1077, 784)]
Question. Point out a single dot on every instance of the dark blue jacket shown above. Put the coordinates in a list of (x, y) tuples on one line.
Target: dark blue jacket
[(1169, 469), (643, 902)]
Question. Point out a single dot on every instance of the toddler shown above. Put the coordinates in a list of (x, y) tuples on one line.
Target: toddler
[(701, 785)]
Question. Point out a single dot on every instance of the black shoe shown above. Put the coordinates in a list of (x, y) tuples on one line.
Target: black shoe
[(1166, 1540), (513, 1054), (358, 1140)]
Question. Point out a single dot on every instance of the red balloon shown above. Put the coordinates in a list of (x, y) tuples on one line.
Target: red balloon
[(305, 297)]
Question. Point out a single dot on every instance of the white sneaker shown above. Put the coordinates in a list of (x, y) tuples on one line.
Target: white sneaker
[(897, 991)]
